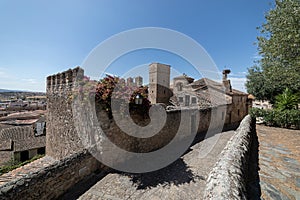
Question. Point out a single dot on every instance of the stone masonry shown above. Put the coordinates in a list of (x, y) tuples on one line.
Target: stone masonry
[(235, 175), (71, 162), (62, 139)]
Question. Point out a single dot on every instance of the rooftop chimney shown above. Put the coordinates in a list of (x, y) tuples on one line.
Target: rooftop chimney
[(226, 82), (225, 72)]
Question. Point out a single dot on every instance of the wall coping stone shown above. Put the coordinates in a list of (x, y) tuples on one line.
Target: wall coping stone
[(228, 178)]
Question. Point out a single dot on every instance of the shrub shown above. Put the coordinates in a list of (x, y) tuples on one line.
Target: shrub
[(287, 100), (285, 118), (257, 112), (112, 88)]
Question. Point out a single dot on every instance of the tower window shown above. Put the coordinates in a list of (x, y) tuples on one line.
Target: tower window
[(194, 100), (187, 100), (179, 86)]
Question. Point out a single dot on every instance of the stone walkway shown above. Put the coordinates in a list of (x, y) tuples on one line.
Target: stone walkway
[(184, 179), (26, 169), (279, 161)]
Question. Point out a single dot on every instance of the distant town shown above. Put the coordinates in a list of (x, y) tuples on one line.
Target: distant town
[(22, 113), (18, 100)]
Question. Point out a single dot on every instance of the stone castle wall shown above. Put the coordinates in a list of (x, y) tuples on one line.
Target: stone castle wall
[(63, 142), (62, 139), (235, 175)]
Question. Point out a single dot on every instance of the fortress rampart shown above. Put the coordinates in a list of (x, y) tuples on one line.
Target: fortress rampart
[(62, 139), (71, 162)]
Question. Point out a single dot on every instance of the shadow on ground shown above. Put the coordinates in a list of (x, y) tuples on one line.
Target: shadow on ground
[(176, 173), (81, 187)]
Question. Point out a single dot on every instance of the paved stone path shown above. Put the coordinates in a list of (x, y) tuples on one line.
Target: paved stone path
[(184, 179), (279, 161), (26, 169)]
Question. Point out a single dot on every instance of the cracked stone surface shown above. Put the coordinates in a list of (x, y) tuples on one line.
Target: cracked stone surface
[(279, 161), (183, 179)]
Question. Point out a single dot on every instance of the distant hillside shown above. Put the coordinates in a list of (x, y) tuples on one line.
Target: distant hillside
[(5, 90), (13, 94), (19, 91)]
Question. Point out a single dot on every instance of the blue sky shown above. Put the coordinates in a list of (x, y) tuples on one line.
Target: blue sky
[(40, 38)]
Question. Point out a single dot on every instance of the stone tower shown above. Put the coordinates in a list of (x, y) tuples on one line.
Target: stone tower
[(130, 81), (138, 81), (159, 83), (62, 138)]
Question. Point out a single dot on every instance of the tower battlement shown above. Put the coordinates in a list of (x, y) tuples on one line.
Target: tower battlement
[(62, 139), (59, 82)]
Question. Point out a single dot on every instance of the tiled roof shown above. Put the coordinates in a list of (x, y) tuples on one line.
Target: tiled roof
[(23, 115), (20, 122), (214, 97), (209, 92), (206, 98), (206, 82), (189, 79)]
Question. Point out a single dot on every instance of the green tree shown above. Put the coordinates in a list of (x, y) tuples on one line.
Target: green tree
[(279, 48), (257, 83)]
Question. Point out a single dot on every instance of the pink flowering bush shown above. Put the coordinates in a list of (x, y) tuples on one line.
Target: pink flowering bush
[(113, 88)]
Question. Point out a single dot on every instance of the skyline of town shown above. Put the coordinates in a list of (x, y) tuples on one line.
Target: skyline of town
[(35, 42)]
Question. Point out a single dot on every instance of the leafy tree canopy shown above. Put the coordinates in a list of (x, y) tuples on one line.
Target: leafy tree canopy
[(279, 48)]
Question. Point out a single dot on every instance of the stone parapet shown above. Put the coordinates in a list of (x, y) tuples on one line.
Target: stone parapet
[(235, 175), (46, 178)]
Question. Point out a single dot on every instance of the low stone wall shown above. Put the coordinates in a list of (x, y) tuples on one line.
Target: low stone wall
[(235, 175), (51, 181)]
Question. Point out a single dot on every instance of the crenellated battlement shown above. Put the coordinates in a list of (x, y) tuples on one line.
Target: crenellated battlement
[(64, 80), (60, 124)]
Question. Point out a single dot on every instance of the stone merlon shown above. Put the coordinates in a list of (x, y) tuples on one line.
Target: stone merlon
[(66, 78)]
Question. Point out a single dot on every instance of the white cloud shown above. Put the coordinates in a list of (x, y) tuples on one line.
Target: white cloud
[(3, 74), (238, 83), (238, 74), (7, 81), (30, 81)]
